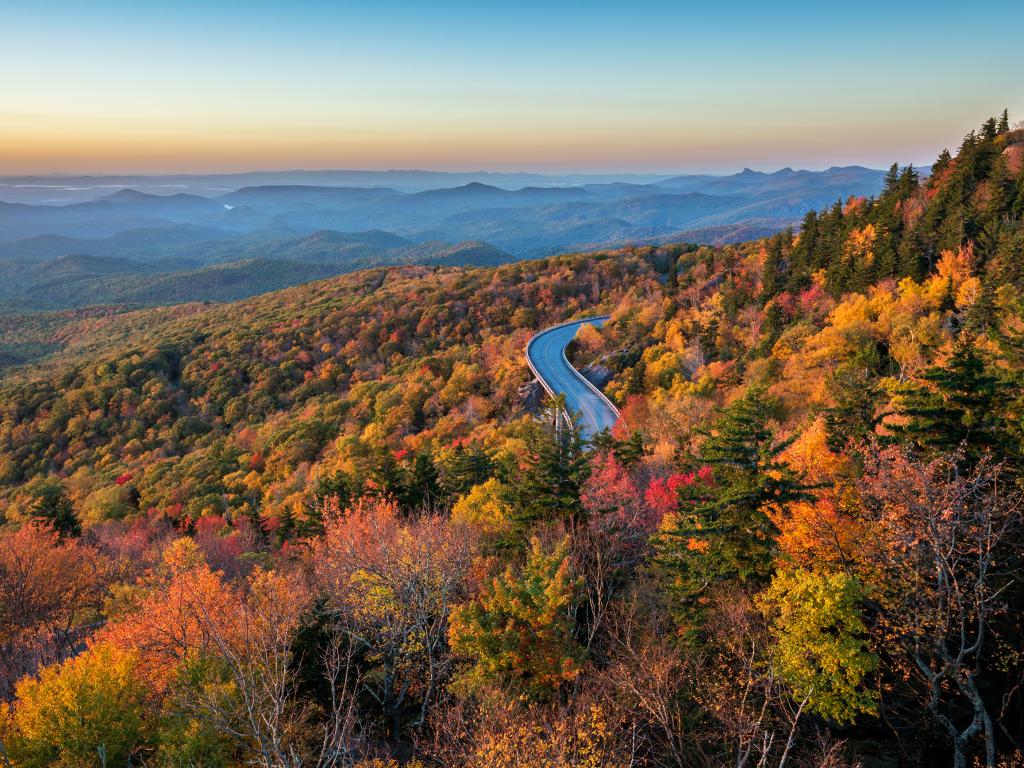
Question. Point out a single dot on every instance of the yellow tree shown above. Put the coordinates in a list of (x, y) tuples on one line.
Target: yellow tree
[(88, 711), (820, 641)]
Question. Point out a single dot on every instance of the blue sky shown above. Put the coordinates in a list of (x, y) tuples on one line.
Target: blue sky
[(647, 86)]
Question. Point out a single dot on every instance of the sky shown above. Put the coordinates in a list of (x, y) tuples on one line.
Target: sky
[(111, 86)]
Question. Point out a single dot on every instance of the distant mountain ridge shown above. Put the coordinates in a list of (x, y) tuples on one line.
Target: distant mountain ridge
[(318, 227), (230, 270)]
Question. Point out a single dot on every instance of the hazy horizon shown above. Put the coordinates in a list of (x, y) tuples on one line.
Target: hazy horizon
[(526, 171)]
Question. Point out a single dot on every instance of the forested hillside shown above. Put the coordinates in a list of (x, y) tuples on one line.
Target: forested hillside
[(335, 526)]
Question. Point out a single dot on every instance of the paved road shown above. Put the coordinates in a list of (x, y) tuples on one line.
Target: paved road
[(546, 356)]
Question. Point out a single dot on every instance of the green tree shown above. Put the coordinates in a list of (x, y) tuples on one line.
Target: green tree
[(855, 395), (773, 275), (467, 466), (286, 526), (52, 507), (632, 450), (890, 184), (337, 487), (953, 405), (820, 641), (771, 328), (552, 472), (519, 632), (635, 377), (941, 163), (424, 488), (387, 474), (724, 531)]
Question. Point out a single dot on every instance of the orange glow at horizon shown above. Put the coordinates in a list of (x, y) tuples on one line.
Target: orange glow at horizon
[(75, 145)]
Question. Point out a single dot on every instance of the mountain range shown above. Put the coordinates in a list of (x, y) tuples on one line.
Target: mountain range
[(138, 247)]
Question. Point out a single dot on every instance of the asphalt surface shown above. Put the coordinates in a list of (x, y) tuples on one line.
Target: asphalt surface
[(546, 353)]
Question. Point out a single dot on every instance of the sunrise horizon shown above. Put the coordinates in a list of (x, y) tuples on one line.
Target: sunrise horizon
[(115, 89)]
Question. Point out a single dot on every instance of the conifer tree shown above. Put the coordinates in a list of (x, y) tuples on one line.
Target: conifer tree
[(52, 507), (910, 253), (771, 327), (774, 273), (603, 442), (635, 376), (286, 526), (724, 532), (672, 282), (909, 181), (941, 164), (852, 417), (338, 488), (553, 472), (424, 487), (804, 259), (631, 450), (469, 465), (989, 129), (387, 474), (955, 404), (1004, 122), (890, 185), (980, 315)]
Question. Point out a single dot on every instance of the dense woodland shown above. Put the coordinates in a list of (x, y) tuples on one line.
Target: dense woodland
[(331, 526)]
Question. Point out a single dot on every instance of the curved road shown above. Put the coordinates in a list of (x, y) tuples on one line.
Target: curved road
[(545, 355)]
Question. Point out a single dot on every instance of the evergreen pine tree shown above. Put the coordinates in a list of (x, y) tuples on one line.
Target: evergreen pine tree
[(672, 283), (555, 468), (981, 314), (259, 530), (774, 273), (804, 260), (1004, 122), (989, 129), (635, 376), (631, 450), (725, 532), (53, 508), (603, 442), (338, 486), (909, 181), (955, 404), (1007, 267), (771, 327), (286, 526), (855, 395), (466, 467), (387, 474), (912, 262), (424, 488), (891, 182), (948, 301)]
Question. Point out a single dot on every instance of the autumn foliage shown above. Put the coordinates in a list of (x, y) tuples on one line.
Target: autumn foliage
[(336, 525)]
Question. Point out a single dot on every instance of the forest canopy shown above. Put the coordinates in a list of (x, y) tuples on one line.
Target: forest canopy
[(336, 525)]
